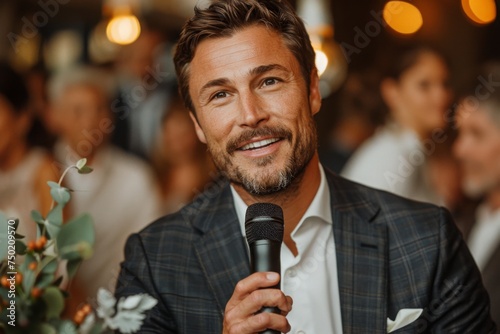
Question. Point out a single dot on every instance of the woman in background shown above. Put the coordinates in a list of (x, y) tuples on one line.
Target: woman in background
[(24, 171), (181, 161), (415, 90)]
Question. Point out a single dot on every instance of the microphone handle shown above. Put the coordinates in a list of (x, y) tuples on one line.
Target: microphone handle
[(265, 256)]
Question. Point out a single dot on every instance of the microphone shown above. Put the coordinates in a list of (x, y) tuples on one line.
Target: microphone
[(264, 231)]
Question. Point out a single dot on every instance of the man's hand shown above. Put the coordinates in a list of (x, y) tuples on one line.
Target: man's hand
[(249, 296)]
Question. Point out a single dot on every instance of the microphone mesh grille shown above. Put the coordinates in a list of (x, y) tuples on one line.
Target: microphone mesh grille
[(264, 221)]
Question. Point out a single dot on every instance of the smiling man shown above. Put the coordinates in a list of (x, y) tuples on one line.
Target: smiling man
[(352, 257)]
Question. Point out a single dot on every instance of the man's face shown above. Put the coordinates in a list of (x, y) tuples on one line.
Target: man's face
[(253, 108), (478, 149)]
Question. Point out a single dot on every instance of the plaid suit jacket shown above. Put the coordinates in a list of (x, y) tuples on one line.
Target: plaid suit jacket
[(392, 253)]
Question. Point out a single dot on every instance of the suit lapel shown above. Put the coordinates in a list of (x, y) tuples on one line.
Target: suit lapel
[(221, 250), (362, 253)]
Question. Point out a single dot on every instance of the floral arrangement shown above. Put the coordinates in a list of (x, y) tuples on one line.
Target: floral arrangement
[(32, 297)]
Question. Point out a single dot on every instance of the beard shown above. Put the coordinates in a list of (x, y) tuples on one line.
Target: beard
[(267, 181)]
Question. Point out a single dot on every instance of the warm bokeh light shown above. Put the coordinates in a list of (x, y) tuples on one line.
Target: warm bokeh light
[(402, 17), (123, 29), (480, 11), (321, 62)]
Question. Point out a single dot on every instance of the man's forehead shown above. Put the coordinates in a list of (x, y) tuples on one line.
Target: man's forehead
[(250, 40)]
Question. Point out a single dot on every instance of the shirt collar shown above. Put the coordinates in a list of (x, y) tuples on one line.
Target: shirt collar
[(319, 207)]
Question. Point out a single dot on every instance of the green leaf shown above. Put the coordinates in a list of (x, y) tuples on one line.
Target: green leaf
[(29, 278), (44, 280), (60, 194), (4, 226), (76, 238), (54, 301), (72, 266), (85, 170), (54, 221), (67, 327), (37, 216), (49, 265), (20, 247), (81, 163)]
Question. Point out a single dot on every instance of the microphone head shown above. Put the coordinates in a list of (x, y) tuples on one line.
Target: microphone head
[(264, 221)]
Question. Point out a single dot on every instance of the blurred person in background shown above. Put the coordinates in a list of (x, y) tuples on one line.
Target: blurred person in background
[(24, 170), (144, 73), (42, 133), (358, 114), (120, 194), (182, 163), (415, 90), (478, 149)]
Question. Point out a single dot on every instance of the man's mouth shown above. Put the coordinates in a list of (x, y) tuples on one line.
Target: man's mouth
[(259, 144)]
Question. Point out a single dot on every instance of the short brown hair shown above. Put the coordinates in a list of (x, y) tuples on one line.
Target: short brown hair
[(224, 17)]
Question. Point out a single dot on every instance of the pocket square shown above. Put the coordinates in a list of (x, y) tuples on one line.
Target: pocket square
[(404, 317)]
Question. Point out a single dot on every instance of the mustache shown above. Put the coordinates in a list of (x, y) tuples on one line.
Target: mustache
[(277, 131)]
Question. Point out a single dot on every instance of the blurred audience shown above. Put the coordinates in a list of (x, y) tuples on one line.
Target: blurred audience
[(182, 163), (478, 149), (120, 194), (24, 171), (143, 93), (415, 90), (42, 133), (358, 114)]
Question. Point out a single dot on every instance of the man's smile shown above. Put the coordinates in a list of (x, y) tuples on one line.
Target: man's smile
[(259, 144)]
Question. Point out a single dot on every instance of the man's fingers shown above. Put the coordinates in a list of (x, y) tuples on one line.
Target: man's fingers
[(260, 322), (251, 283), (264, 298)]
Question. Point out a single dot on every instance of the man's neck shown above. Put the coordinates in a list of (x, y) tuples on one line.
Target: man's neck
[(294, 202)]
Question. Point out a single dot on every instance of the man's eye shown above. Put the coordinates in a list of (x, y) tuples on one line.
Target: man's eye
[(270, 81), (219, 95)]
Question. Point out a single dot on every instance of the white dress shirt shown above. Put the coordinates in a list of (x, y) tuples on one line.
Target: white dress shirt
[(394, 160), (485, 235), (311, 277)]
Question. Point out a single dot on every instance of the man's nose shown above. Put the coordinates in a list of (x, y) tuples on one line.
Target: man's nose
[(252, 111)]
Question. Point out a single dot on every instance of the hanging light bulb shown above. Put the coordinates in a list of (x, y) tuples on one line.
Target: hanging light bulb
[(402, 17), (123, 27), (481, 12), (330, 61)]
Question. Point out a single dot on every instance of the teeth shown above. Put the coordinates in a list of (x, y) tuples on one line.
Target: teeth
[(259, 144)]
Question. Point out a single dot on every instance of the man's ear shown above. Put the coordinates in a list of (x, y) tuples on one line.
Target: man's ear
[(314, 93), (198, 129)]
